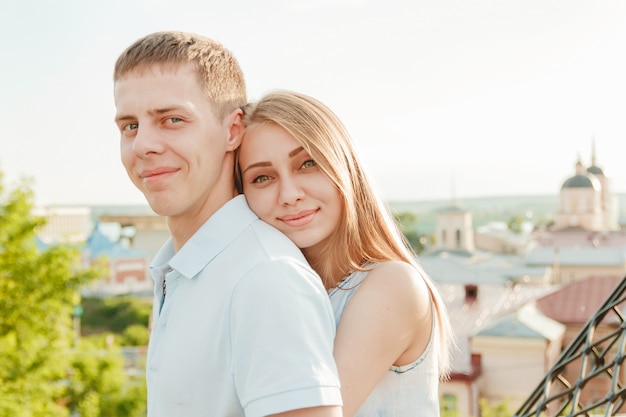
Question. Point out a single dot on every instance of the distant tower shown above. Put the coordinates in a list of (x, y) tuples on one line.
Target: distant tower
[(607, 205), (453, 226), (454, 229)]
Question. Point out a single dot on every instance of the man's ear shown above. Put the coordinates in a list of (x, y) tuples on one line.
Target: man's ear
[(235, 126)]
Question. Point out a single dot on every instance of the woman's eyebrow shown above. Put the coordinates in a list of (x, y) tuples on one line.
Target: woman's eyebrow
[(256, 165), (296, 151), (268, 164)]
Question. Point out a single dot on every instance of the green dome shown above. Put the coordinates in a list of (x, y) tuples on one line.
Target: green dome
[(595, 170), (582, 181)]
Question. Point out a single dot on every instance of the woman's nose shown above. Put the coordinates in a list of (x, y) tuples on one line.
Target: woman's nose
[(290, 191)]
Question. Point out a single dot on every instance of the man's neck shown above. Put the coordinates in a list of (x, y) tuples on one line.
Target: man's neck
[(183, 227)]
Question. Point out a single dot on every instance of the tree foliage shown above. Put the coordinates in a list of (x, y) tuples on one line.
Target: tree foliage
[(39, 364), (98, 386), (135, 335), (500, 409), (36, 290), (115, 314), (516, 224), (407, 222)]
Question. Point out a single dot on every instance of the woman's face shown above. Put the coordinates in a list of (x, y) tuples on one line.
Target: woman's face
[(285, 187)]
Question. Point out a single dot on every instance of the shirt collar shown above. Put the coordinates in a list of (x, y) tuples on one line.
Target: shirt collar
[(208, 241)]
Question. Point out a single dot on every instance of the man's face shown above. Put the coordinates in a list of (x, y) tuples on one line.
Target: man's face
[(172, 145)]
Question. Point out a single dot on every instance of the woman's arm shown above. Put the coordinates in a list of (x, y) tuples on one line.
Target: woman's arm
[(387, 322)]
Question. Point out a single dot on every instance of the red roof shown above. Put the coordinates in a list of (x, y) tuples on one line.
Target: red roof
[(577, 302)]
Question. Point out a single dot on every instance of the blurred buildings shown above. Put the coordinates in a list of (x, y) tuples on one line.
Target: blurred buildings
[(108, 244), (516, 299)]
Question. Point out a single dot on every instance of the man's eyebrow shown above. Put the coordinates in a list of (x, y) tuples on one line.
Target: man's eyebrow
[(123, 117), (153, 112), (163, 110)]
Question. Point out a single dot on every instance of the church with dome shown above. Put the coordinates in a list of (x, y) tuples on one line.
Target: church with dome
[(588, 214), (586, 201), (518, 298)]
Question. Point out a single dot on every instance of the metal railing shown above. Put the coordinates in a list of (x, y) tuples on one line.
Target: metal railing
[(587, 379)]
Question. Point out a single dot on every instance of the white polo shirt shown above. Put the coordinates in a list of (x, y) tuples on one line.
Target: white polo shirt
[(246, 328)]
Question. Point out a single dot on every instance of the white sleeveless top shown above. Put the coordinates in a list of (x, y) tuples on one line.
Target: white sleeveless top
[(406, 391)]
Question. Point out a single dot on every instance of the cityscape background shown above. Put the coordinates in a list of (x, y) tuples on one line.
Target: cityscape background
[(444, 98), (520, 277), (466, 113)]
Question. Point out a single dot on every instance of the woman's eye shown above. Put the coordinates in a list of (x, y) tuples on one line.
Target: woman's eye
[(260, 179), (308, 164)]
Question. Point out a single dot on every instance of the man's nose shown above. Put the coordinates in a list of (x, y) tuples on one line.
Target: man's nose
[(147, 140)]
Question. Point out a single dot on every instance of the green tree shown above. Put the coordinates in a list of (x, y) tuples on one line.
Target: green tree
[(42, 373), (115, 314), (36, 291), (500, 409), (135, 335), (544, 222), (407, 222), (99, 387), (516, 223)]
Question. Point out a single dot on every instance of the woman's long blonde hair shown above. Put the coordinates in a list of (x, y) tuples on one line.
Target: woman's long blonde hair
[(367, 233)]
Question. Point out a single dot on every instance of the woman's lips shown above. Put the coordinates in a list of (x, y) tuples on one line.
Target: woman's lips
[(299, 219)]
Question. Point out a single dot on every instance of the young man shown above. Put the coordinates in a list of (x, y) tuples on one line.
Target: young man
[(242, 326)]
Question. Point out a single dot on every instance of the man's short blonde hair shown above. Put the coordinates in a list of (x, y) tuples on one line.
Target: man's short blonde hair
[(217, 69)]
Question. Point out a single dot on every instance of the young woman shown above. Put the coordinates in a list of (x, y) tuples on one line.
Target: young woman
[(299, 172)]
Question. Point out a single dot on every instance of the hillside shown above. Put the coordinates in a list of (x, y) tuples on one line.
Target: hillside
[(489, 209)]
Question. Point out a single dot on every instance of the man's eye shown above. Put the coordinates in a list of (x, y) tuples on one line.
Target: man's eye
[(261, 179), (131, 126), (308, 164), (174, 120)]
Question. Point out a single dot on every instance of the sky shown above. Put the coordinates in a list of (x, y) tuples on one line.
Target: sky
[(443, 98)]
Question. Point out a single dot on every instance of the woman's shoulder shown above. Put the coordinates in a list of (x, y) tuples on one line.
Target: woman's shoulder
[(398, 280), (398, 274), (395, 267)]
